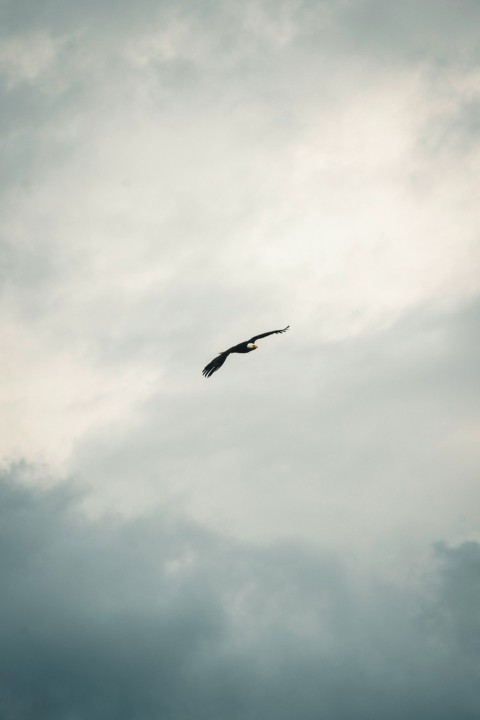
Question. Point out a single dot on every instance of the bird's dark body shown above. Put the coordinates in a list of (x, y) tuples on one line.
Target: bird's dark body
[(244, 347), (241, 348)]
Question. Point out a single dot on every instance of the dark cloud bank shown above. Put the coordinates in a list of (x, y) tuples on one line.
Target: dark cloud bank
[(160, 618)]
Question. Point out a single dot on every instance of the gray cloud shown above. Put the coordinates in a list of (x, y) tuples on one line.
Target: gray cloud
[(163, 618), (433, 31)]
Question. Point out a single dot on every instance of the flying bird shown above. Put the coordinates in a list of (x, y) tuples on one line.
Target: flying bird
[(244, 347)]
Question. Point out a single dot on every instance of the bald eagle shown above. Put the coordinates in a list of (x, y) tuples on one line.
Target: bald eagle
[(243, 347)]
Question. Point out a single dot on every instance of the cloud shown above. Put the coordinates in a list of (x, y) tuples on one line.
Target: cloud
[(175, 177), (181, 177), (350, 442), (414, 32), (26, 59), (220, 151), (161, 616)]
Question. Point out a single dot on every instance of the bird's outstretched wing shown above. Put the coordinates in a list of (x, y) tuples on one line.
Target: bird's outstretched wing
[(272, 332), (214, 365)]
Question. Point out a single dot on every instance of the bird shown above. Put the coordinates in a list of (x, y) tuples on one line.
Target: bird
[(243, 347)]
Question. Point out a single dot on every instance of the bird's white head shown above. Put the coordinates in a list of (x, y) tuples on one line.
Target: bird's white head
[(252, 346)]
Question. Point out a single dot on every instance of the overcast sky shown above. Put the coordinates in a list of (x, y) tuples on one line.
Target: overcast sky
[(297, 536)]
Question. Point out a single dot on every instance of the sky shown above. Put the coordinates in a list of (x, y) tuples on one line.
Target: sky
[(297, 536)]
